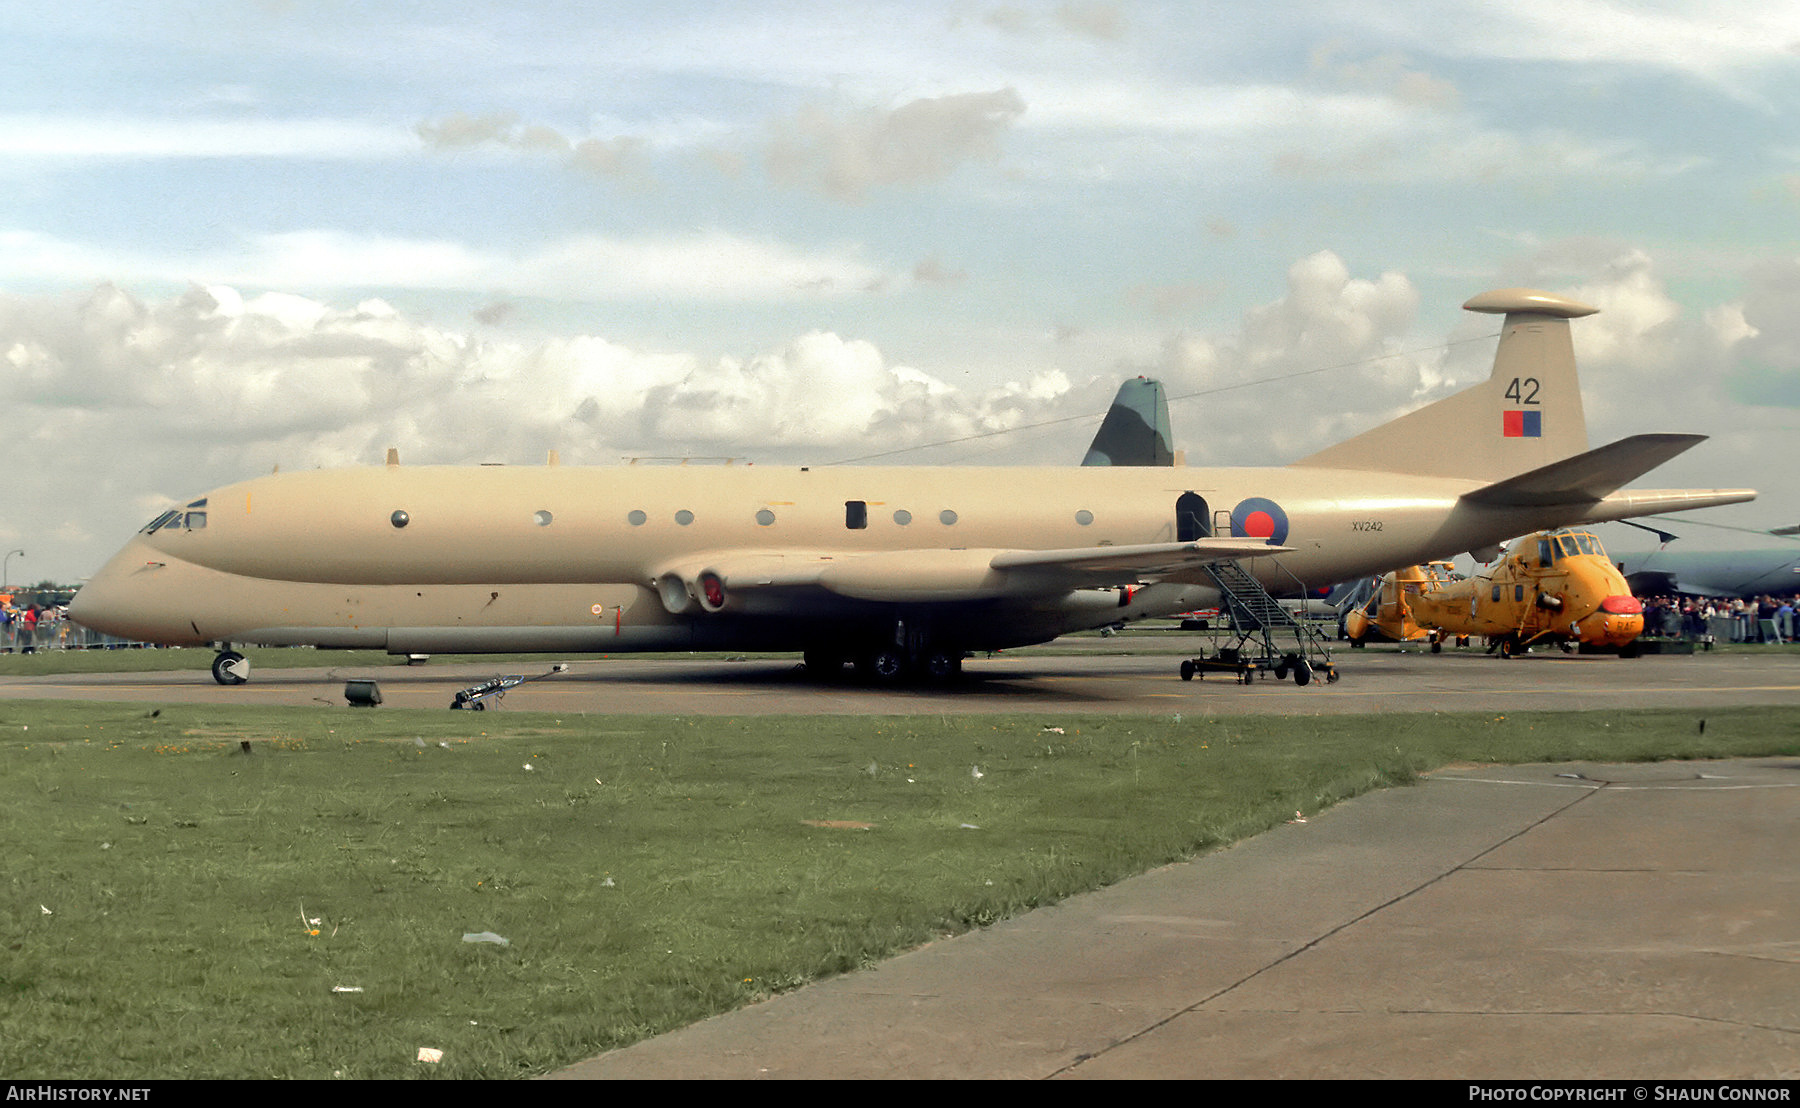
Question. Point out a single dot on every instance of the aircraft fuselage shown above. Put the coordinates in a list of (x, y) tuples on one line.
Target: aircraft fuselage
[(439, 558)]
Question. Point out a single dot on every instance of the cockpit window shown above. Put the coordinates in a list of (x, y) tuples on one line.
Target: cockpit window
[(176, 520)]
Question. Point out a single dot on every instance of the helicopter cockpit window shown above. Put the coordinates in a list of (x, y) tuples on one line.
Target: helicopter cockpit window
[(1546, 551)]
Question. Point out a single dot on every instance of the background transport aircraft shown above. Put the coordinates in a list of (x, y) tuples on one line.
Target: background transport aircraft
[(1554, 586), (901, 570), (1738, 573)]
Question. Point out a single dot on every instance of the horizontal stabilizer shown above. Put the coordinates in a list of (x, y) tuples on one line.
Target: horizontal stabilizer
[(1631, 503), (1584, 477)]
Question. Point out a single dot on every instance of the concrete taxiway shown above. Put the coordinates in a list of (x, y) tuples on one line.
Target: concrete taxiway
[(1494, 922), (1573, 922), (1091, 676)]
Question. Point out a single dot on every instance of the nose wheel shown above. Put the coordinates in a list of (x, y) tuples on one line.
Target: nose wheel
[(230, 668)]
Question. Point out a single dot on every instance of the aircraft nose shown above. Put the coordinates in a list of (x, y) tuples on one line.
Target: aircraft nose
[(127, 599)]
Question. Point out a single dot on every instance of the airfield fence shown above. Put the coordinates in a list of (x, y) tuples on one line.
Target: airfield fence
[(57, 634)]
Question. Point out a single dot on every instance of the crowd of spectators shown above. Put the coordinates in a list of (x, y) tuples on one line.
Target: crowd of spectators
[(1699, 618), (28, 626)]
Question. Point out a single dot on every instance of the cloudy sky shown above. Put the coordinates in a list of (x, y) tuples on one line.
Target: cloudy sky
[(296, 232)]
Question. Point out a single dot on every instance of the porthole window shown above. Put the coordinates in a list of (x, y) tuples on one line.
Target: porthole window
[(1084, 517), (399, 519), (684, 517), (542, 518), (636, 517), (946, 517), (764, 517), (903, 517)]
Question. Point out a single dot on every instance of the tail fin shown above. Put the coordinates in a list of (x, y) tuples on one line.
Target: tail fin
[(1136, 429), (1526, 415)]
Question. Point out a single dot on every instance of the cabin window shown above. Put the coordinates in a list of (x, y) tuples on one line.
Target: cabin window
[(1518, 593), (947, 517), (1084, 517), (856, 515), (684, 517), (399, 519), (764, 517), (903, 517), (636, 517), (1496, 594), (542, 518)]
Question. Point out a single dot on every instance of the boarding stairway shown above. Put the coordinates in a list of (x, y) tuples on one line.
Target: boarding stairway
[(1255, 613)]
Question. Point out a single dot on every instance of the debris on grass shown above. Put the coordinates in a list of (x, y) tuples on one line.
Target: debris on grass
[(486, 937), (430, 1054), (839, 824), (346, 988)]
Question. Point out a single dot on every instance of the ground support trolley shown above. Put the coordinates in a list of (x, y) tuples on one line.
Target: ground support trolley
[(1254, 614)]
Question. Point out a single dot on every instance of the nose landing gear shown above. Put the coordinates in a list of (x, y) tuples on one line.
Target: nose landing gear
[(230, 668)]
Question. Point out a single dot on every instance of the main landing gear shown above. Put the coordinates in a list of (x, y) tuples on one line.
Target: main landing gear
[(888, 665), (230, 668)]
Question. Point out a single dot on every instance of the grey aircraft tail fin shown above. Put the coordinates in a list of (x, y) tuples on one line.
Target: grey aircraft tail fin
[(1526, 415), (1136, 429)]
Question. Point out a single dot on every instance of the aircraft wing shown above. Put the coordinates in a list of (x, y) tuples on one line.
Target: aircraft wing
[(916, 576)]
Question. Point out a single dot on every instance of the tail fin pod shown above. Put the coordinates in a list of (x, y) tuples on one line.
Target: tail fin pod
[(1527, 414), (1135, 431)]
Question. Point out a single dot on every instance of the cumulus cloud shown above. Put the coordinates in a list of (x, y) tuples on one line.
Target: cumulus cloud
[(621, 156), (1324, 361), (1095, 20), (1388, 74), (845, 155), (1766, 327)]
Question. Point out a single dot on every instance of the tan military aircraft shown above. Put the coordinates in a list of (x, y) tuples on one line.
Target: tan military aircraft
[(1554, 587), (902, 570)]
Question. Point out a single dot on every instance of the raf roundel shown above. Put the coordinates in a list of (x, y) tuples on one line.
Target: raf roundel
[(1259, 518)]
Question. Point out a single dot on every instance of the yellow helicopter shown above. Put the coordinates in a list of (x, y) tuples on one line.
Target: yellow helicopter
[(1554, 586)]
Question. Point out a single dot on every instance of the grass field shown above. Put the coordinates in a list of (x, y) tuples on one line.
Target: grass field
[(176, 907)]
